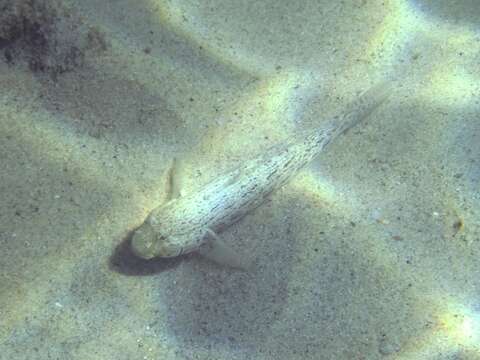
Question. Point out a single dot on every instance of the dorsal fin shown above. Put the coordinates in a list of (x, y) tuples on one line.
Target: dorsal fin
[(174, 190)]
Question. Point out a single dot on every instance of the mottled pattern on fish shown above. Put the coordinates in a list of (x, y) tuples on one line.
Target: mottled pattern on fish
[(181, 225)]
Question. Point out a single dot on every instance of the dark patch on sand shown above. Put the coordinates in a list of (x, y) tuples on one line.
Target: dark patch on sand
[(46, 36)]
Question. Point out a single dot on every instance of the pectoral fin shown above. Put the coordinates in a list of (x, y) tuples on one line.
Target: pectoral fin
[(220, 253)]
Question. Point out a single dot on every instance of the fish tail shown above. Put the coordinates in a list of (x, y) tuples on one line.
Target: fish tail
[(363, 106)]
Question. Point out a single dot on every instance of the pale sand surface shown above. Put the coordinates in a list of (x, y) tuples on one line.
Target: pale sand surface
[(370, 253)]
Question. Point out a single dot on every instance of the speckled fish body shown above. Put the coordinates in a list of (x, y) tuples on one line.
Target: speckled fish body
[(182, 224)]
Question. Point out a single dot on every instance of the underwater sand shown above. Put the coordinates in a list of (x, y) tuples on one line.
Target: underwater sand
[(369, 253)]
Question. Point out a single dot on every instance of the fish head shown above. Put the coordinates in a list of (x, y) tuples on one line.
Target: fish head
[(148, 243)]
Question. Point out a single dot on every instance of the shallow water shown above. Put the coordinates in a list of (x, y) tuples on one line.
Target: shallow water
[(369, 253)]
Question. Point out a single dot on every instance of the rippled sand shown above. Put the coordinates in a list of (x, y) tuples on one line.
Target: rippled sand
[(370, 253)]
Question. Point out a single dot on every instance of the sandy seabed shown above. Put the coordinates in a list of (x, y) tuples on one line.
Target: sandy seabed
[(369, 253)]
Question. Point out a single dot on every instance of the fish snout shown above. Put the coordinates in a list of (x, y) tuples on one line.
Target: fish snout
[(143, 242)]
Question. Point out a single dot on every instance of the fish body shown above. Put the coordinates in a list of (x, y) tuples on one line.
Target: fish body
[(183, 224)]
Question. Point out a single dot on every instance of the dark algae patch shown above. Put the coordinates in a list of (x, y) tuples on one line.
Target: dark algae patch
[(46, 36)]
